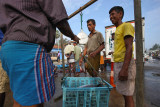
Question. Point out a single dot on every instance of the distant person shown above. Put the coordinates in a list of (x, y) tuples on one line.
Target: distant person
[(93, 48), (69, 53), (102, 61), (72, 61), (124, 65), (58, 57), (105, 61), (112, 48), (112, 42), (29, 29), (77, 52), (4, 80), (112, 61)]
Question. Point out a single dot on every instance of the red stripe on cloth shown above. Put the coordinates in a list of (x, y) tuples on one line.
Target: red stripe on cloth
[(47, 77), (40, 65)]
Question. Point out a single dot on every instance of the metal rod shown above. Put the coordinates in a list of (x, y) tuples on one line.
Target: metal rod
[(81, 15)]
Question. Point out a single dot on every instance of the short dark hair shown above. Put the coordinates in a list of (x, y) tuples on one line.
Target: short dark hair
[(113, 34), (91, 20), (117, 9)]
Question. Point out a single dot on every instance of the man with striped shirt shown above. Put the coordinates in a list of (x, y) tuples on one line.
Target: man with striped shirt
[(29, 28)]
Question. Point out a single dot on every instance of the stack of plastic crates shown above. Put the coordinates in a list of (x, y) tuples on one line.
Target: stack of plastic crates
[(77, 94)]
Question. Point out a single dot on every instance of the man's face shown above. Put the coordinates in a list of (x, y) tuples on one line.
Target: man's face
[(90, 26), (115, 17)]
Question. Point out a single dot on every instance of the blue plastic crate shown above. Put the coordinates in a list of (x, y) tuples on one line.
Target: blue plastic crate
[(74, 95)]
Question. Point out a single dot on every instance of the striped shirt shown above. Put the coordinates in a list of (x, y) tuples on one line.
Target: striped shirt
[(31, 20)]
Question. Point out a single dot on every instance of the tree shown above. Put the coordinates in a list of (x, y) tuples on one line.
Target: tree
[(65, 40), (155, 46), (58, 40), (57, 34)]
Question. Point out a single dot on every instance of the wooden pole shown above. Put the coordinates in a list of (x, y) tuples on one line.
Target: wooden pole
[(139, 55), (62, 48), (82, 8)]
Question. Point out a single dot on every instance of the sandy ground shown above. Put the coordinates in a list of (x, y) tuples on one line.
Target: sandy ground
[(151, 89)]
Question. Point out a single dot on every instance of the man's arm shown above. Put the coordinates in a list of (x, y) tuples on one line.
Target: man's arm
[(100, 48), (64, 27), (56, 13), (123, 74)]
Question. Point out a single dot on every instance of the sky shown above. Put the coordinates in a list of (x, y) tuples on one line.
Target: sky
[(100, 12)]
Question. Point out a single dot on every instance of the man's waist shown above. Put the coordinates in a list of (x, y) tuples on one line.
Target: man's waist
[(47, 44)]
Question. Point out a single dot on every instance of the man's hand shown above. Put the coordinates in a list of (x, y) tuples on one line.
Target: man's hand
[(123, 75), (76, 39), (92, 54)]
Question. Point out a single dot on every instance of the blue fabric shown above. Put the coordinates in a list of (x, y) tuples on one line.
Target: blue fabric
[(77, 67), (1, 37), (30, 71)]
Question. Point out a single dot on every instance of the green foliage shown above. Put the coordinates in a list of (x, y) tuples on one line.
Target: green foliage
[(155, 46), (65, 40), (58, 39), (57, 34)]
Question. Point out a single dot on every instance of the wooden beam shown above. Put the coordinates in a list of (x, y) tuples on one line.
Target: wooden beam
[(82, 8)]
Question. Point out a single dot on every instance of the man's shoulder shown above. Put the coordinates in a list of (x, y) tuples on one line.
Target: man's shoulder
[(127, 24), (77, 47), (98, 32)]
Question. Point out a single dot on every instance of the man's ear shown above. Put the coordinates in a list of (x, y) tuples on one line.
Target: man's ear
[(121, 14), (95, 25)]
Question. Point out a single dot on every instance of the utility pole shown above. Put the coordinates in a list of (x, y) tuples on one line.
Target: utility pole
[(62, 54), (139, 55)]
